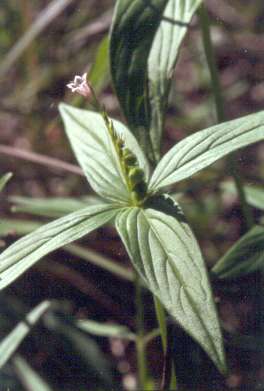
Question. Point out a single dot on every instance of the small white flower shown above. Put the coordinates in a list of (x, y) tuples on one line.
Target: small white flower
[(80, 85)]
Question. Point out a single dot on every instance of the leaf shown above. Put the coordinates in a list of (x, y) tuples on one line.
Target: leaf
[(22, 227), (203, 148), (106, 329), (133, 30), (162, 60), (166, 255), (4, 179), (25, 252), (99, 73), (17, 226), (10, 343), (28, 376), (83, 350), (94, 151), (244, 257), (254, 194), (51, 207)]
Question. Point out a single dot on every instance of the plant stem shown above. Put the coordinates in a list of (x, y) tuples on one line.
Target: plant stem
[(140, 341), (219, 104), (161, 317)]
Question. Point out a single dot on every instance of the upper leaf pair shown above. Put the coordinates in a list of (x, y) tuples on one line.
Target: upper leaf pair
[(93, 148)]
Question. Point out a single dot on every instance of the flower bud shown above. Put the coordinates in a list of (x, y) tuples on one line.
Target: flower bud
[(136, 175), (128, 157)]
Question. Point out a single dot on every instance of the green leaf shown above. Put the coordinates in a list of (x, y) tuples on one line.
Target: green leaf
[(162, 60), (254, 194), (205, 147), (244, 257), (4, 179), (51, 207), (106, 329), (28, 376), (10, 343), (93, 149), (24, 253), (22, 227), (99, 73), (166, 255), (133, 30), (17, 226), (98, 370)]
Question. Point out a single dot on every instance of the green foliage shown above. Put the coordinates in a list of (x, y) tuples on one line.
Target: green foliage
[(106, 330), (244, 257), (145, 39), (51, 207), (94, 148), (4, 179), (28, 376), (99, 72), (166, 255), (134, 22), (59, 327), (95, 152), (254, 194), (162, 60), (10, 343), (25, 252), (203, 148)]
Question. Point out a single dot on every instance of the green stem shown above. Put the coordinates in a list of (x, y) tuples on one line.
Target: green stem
[(161, 317), (140, 339), (219, 104)]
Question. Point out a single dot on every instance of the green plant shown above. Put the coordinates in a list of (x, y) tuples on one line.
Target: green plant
[(118, 162)]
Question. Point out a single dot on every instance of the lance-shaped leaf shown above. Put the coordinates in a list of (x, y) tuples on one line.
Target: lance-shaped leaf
[(246, 256), (25, 252), (13, 340), (133, 30), (205, 147), (4, 179), (95, 152), (51, 207), (28, 376), (167, 256), (106, 329), (162, 60)]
